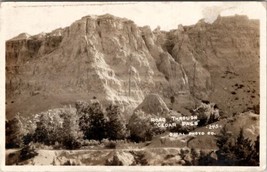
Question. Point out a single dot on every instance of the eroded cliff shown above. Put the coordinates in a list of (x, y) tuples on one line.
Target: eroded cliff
[(114, 60)]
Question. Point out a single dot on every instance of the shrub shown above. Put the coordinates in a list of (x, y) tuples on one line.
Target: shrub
[(90, 143), (71, 143), (257, 108), (27, 152), (179, 128), (28, 138), (207, 113), (206, 159), (110, 144), (141, 128)]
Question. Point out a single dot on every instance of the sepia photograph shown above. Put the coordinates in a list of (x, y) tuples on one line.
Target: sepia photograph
[(166, 85)]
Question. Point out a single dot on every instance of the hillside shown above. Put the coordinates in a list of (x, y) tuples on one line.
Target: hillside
[(116, 61)]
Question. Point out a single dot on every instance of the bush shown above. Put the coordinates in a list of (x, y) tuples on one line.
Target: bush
[(141, 128), (27, 152), (207, 113), (256, 108), (28, 138), (90, 143), (206, 159), (71, 143), (179, 128), (110, 144)]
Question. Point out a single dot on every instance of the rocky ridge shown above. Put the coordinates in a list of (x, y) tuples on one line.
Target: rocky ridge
[(114, 60)]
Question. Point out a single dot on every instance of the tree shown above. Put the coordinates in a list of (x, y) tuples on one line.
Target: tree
[(58, 125), (231, 152), (98, 123), (83, 111), (41, 133), (116, 124), (71, 132), (225, 153), (242, 147), (254, 157), (82, 107), (93, 122), (222, 138), (238, 152), (14, 132), (44, 130)]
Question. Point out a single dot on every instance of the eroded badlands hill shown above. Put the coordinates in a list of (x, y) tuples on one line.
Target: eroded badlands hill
[(114, 60)]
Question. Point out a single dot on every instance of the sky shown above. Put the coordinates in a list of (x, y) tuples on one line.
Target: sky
[(34, 18)]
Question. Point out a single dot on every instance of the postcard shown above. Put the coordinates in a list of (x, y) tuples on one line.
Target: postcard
[(133, 86)]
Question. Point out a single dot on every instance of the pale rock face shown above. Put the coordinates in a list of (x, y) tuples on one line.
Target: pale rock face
[(154, 105), (120, 158), (116, 61), (199, 77)]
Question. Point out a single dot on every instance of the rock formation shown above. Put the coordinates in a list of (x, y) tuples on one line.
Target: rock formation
[(153, 104), (114, 60)]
